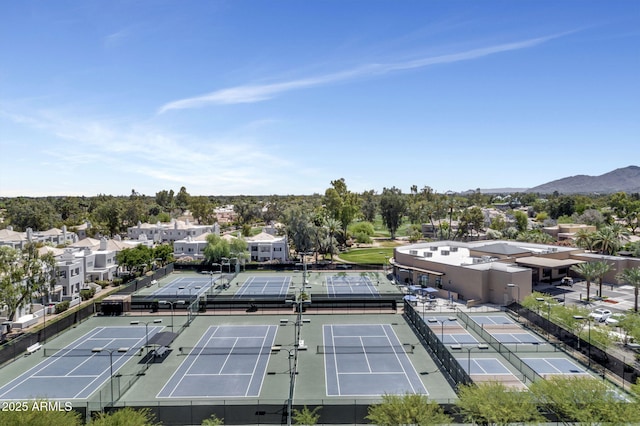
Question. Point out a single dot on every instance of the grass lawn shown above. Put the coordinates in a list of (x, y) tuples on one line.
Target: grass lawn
[(373, 255)]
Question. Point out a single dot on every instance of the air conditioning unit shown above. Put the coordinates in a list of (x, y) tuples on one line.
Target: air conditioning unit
[(427, 254), (433, 248), (445, 252), (413, 252), (454, 249)]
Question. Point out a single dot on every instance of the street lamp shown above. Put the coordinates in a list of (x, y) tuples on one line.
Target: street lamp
[(543, 300), (292, 374), (168, 302), (111, 351), (432, 320), (480, 346), (582, 318), (146, 329)]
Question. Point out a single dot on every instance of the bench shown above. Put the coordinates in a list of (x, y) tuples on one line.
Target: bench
[(284, 321), (161, 351), (301, 345), (276, 348), (31, 349)]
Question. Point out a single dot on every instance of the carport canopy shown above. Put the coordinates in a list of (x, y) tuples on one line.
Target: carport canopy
[(546, 262)]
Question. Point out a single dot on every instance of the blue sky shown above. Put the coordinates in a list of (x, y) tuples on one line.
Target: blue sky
[(281, 97)]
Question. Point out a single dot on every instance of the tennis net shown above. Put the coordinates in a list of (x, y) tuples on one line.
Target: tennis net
[(86, 353), (359, 349), (224, 350)]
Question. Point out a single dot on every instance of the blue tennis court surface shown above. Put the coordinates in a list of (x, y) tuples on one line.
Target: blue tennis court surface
[(367, 360), (349, 286), (77, 371), (552, 366), (492, 319), (483, 365), (228, 361), (257, 287), (188, 287)]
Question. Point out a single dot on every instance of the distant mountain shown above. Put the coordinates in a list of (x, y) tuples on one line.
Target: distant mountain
[(626, 179)]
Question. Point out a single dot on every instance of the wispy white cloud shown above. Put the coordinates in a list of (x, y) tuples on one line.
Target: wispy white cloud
[(116, 38), (261, 92), (105, 153)]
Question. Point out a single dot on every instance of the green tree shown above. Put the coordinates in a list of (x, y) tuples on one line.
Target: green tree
[(522, 222), (332, 226), (341, 204), (407, 409), (602, 267), (584, 239), (583, 401), (165, 199), (493, 403), (202, 209), (108, 216), (369, 205), (23, 275), (306, 416), (609, 239), (589, 271), (300, 229), (125, 417), (631, 276), (163, 252), (216, 249), (393, 206), (182, 199), (212, 421)]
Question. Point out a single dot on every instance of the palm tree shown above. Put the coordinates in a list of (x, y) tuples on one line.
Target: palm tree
[(589, 270), (631, 276), (609, 238), (584, 239), (602, 267)]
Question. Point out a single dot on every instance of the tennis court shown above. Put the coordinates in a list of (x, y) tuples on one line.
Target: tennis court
[(367, 360), (449, 331), (80, 368), (554, 366), (348, 285), (189, 287), (228, 361), (257, 287)]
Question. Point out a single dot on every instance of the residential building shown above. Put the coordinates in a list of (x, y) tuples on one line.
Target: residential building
[(169, 232), (267, 246)]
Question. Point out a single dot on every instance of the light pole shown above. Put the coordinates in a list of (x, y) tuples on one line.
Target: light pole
[(168, 302), (432, 320), (543, 300), (582, 318), (111, 351), (146, 329), (480, 346), (291, 357)]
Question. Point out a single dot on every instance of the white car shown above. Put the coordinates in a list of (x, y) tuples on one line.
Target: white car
[(614, 319), (600, 314)]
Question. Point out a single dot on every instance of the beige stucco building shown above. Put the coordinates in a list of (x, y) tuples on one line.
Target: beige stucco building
[(483, 271)]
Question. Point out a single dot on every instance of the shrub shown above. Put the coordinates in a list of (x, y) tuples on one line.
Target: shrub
[(62, 306), (102, 283), (87, 293), (116, 282)]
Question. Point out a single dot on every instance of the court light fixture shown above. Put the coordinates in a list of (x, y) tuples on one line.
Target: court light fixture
[(111, 351)]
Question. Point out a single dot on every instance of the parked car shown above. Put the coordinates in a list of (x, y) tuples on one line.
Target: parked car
[(600, 314), (566, 281), (614, 319)]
